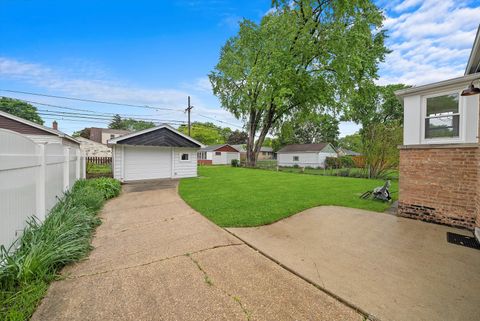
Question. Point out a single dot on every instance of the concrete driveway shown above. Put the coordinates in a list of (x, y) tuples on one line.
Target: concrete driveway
[(393, 268), (155, 258)]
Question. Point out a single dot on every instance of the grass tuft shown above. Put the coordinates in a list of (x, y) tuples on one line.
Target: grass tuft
[(43, 249)]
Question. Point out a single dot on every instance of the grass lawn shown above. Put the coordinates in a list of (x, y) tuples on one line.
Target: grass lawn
[(240, 197), (99, 168)]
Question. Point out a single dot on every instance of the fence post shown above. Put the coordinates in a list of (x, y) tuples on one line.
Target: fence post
[(84, 165), (41, 183), (66, 168), (78, 164)]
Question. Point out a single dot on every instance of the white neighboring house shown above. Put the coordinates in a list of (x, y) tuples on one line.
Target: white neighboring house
[(158, 152), (305, 155), (36, 132), (218, 155)]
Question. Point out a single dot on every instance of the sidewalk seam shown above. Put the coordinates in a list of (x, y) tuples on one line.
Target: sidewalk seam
[(364, 313)]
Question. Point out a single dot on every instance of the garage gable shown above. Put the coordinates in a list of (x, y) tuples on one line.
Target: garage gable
[(160, 136)]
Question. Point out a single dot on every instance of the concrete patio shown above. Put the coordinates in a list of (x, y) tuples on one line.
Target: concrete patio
[(393, 268), (155, 258)]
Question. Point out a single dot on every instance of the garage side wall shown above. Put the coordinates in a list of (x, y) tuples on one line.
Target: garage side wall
[(117, 162), (184, 168)]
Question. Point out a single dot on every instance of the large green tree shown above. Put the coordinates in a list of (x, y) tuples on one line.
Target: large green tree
[(20, 109), (237, 137), (305, 55)]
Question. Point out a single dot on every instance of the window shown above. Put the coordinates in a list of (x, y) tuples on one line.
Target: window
[(218, 153), (184, 157), (202, 155), (442, 118), (295, 158)]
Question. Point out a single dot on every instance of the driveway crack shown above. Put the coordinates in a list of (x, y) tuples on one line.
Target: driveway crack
[(153, 261), (208, 280)]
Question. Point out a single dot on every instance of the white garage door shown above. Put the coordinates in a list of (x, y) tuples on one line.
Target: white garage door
[(147, 163)]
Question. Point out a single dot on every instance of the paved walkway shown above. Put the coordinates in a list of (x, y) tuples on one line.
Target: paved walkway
[(155, 258), (393, 268)]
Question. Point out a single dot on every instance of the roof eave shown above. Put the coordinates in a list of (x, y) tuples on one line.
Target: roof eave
[(435, 85), (474, 58)]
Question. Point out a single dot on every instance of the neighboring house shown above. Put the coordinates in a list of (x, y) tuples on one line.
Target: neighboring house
[(440, 156), (218, 155), (93, 149), (158, 152), (347, 152), (37, 133), (305, 155), (265, 152), (102, 135)]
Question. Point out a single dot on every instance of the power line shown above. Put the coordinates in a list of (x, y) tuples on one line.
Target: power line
[(111, 103), (106, 117), (89, 100)]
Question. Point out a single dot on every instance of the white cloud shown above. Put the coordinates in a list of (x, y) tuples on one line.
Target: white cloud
[(54, 81), (429, 44)]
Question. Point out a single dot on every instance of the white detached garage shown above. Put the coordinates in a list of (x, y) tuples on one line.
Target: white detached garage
[(159, 152)]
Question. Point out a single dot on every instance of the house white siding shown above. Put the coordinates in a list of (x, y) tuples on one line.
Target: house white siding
[(225, 158), (183, 168), (117, 161), (415, 110), (304, 159), (231, 156)]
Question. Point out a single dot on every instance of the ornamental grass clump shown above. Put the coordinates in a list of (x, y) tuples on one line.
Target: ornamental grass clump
[(44, 248)]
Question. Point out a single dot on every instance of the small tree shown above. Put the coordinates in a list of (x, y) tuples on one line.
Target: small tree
[(380, 143)]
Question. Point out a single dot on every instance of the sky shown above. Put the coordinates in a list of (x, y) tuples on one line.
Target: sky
[(157, 53)]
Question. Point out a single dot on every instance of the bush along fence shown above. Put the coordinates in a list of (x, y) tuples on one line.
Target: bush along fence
[(99, 160), (32, 178), (45, 248)]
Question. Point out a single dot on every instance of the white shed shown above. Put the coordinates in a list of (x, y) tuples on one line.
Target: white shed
[(305, 155), (159, 152)]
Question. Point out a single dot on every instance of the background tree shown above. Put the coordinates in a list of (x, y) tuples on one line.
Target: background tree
[(116, 122), (206, 133), (309, 129), (129, 124), (380, 113), (85, 133), (352, 142), (304, 56), (237, 137), (20, 109)]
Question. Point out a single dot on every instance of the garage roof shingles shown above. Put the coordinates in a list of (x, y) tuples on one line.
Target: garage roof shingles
[(159, 137)]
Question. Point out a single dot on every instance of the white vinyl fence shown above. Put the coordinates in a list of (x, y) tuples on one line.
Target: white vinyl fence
[(32, 178)]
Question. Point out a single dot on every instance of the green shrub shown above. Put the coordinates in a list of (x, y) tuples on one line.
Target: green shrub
[(43, 249), (296, 166), (346, 162), (331, 162), (235, 163)]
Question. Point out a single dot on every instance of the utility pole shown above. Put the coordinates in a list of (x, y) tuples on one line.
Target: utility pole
[(189, 108)]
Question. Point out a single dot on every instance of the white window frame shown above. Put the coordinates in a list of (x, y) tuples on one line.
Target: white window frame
[(461, 121), (185, 160)]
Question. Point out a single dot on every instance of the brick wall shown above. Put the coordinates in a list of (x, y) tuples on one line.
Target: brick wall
[(440, 184)]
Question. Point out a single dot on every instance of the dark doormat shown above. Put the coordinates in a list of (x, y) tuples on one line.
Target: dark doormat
[(463, 240)]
